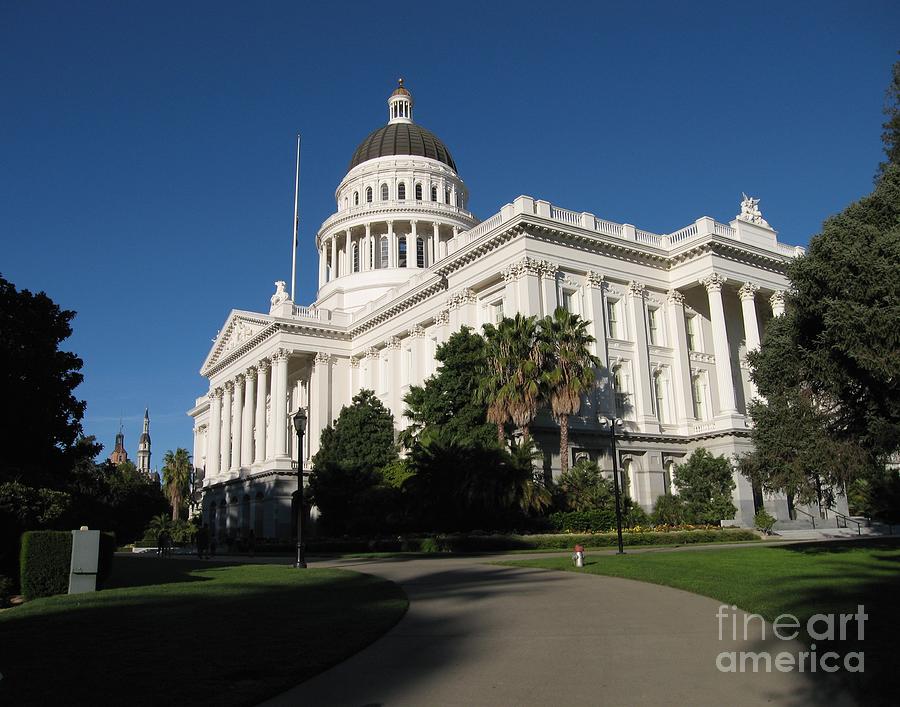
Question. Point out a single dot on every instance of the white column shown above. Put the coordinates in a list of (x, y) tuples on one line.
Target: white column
[(417, 337), (412, 246), (392, 245), (684, 401), (433, 247), (643, 395), (322, 259), (548, 287), (713, 284), (237, 445), (279, 401), (777, 302), (247, 429), (348, 254), (319, 398), (333, 260), (259, 452), (213, 447), (593, 299), (227, 410), (748, 309), (367, 247)]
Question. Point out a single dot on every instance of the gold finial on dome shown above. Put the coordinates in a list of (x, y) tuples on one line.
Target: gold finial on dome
[(401, 90)]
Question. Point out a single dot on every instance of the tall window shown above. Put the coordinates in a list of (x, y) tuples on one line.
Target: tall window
[(659, 393), (401, 191), (401, 261), (420, 253), (384, 252), (356, 257), (570, 301), (434, 193), (653, 323), (693, 339), (356, 198), (384, 192), (698, 393), (419, 192), (621, 394), (612, 318), (496, 311), (368, 195), (446, 196)]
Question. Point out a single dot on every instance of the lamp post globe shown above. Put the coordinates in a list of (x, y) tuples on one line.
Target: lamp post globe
[(612, 423), (299, 420)]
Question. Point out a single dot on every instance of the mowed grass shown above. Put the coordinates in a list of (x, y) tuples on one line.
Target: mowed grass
[(799, 579), (190, 632)]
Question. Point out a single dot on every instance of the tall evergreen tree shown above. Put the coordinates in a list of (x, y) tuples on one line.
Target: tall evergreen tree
[(891, 134)]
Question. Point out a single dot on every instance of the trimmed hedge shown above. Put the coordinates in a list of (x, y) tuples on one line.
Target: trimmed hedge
[(594, 521), (46, 558)]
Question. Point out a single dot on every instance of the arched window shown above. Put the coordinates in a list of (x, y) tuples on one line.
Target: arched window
[(384, 192), (420, 253), (368, 195), (434, 193), (418, 192), (384, 252), (401, 260), (346, 202), (446, 196), (356, 257), (401, 191), (356, 198)]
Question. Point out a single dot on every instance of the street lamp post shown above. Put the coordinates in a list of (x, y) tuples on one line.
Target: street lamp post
[(612, 424), (299, 420)]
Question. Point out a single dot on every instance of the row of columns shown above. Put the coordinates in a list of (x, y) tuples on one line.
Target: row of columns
[(336, 260)]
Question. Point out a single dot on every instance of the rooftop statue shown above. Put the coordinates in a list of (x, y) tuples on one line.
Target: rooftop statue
[(750, 211)]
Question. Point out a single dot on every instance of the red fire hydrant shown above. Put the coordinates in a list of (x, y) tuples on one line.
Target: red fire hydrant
[(578, 557)]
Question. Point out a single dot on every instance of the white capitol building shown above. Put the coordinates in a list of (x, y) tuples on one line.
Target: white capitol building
[(403, 264)]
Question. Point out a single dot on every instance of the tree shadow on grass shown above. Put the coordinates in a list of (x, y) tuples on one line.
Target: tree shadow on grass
[(135, 571)]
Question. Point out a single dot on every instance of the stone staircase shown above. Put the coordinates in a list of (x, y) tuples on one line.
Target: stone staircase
[(830, 529)]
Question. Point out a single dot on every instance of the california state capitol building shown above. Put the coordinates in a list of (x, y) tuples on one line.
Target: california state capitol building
[(402, 264)]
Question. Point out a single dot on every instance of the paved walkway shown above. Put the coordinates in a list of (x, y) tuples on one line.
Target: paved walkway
[(479, 634)]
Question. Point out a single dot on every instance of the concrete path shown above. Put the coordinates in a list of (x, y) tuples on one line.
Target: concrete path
[(480, 634)]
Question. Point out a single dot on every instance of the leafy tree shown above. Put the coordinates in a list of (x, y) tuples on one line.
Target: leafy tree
[(447, 402), (569, 369), (347, 467), (177, 478), (511, 383), (668, 510), (37, 380), (583, 488), (704, 485)]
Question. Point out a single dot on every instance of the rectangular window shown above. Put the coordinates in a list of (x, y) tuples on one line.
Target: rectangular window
[(612, 318), (692, 339), (653, 325), (620, 392), (497, 311), (384, 252), (570, 301)]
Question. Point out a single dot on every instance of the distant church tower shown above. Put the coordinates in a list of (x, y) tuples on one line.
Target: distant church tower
[(143, 455), (119, 455)]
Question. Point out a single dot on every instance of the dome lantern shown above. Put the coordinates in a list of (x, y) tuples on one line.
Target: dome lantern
[(400, 105)]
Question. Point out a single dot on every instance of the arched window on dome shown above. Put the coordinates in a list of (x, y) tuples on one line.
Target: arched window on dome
[(368, 195), (356, 198), (446, 196), (420, 252), (384, 192), (384, 252), (346, 202), (419, 191), (356, 257), (434, 193), (401, 191), (401, 260)]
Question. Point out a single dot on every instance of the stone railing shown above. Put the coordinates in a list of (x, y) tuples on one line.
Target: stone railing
[(316, 314)]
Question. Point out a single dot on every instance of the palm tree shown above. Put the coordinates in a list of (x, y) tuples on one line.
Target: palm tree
[(511, 386), (570, 370), (176, 478), (159, 524)]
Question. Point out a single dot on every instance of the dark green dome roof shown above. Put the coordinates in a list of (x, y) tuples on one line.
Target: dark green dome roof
[(402, 139)]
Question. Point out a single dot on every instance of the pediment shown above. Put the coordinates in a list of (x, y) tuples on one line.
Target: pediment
[(240, 329)]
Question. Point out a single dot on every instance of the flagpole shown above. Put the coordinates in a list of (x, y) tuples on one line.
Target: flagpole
[(296, 224)]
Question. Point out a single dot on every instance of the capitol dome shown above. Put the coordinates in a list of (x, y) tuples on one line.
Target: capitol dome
[(402, 139)]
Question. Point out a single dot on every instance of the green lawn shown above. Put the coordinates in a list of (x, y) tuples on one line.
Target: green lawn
[(799, 579), (186, 631)]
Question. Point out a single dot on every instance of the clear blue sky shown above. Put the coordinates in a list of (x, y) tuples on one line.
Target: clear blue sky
[(147, 149)]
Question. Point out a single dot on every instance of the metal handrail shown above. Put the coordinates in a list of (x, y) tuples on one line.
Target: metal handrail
[(842, 518), (809, 515)]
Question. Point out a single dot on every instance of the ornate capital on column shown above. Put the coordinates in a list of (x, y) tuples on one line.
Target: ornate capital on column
[(354, 362), (322, 358), (510, 273), (594, 280), (416, 332), (548, 269), (748, 291), (372, 352), (250, 373), (263, 365), (713, 282), (239, 379), (636, 289), (529, 266), (442, 317), (229, 386), (281, 355), (675, 297), (215, 394), (392, 343), (777, 300)]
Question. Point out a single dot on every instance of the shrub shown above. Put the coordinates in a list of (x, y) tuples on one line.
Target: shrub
[(45, 560), (594, 521), (764, 521), (705, 483), (668, 510), (7, 587), (105, 560), (635, 516)]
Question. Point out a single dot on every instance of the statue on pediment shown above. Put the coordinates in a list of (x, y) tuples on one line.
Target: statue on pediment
[(750, 211), (281, 294)]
